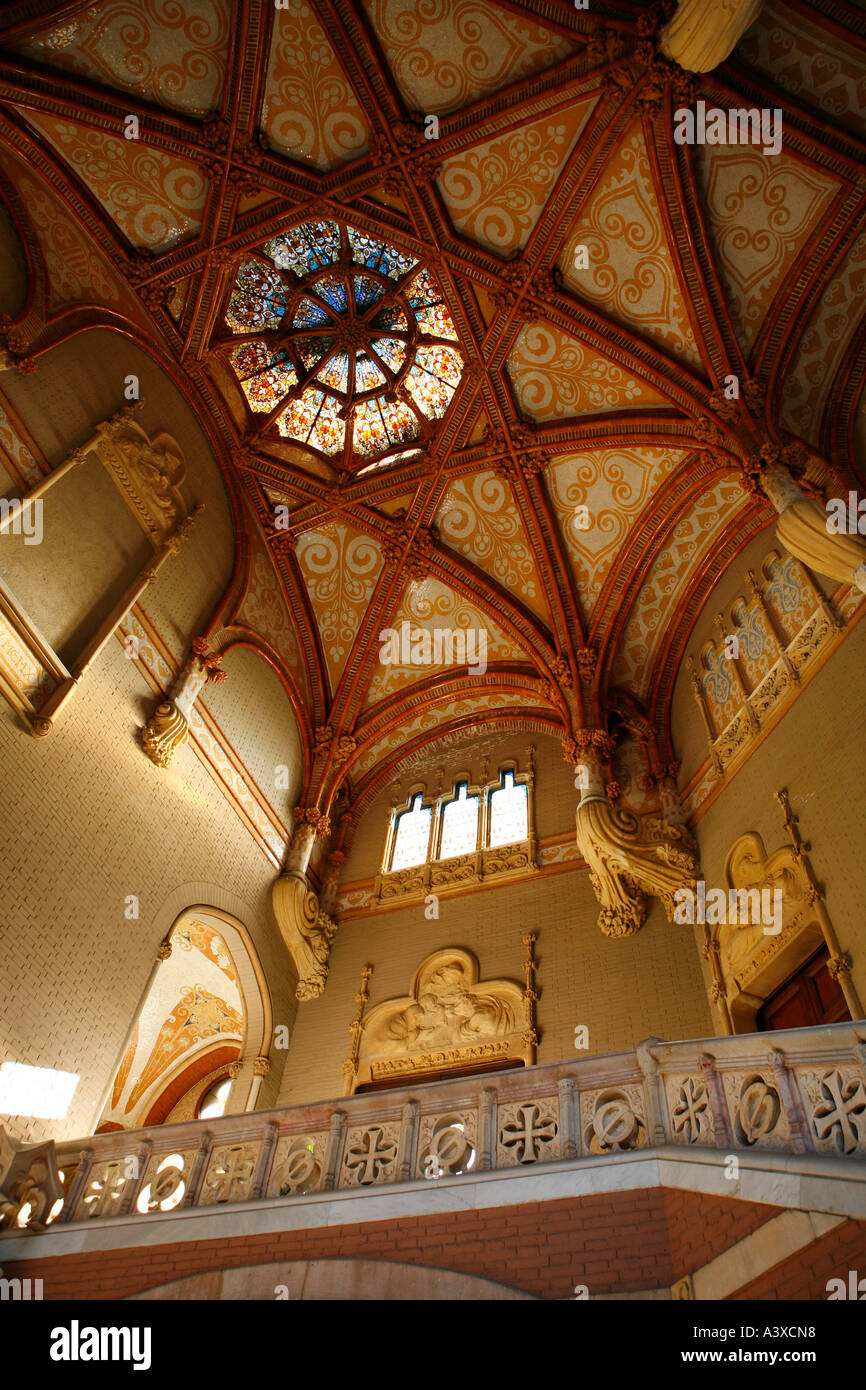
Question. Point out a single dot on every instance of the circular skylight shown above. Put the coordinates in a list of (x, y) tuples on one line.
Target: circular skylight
[(345, 343)]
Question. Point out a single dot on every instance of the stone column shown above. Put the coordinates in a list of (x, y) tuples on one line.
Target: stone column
[(701, 36), (802, 530)]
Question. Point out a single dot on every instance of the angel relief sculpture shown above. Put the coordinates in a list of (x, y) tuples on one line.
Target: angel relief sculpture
[(449, 1011), (449, 1018)]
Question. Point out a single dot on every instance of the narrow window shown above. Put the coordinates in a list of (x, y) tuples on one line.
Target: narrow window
[(412, 836), (509, 812), (459, 824)]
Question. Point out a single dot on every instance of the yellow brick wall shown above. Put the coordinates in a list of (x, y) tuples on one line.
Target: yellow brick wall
[(86, 820), (623, 991)]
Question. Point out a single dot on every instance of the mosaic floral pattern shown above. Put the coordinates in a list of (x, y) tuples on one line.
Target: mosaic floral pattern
[(340, 566), (155, 198), (172, 54), (495, 192), (429, 604), (827, 71), (691, 538), (761, 213), (615, 486), (823, 345), (554, 376), (631, 273), (76, 270), (360, 353), (478, 517), (446, 53), (310, 110)]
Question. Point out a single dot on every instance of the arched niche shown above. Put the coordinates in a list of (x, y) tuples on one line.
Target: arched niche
[(85, 380), (754, 961), (207, 1010)]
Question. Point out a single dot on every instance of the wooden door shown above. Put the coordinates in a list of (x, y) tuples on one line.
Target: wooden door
[(810, 997)]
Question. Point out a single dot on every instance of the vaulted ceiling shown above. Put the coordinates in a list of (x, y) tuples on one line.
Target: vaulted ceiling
[(586, 382)]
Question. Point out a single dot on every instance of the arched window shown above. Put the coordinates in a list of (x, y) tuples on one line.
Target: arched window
[(213, 1102), (509, 812), (412, 835), (459, 824)]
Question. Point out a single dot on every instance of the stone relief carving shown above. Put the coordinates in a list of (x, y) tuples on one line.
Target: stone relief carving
[(230, 1174), (299, 1163), (448, 1144), (449, 1018), (370, 1154), (755, 1107), (528, 1132), (31, 1187), (612, 1120), (836, 1106), (690, 1110)]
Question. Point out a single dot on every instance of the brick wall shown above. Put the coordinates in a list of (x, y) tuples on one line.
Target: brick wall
[(612, 1243), (806, 1276)]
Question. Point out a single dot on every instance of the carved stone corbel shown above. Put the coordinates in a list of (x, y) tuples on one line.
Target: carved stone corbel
[(625, 860), (802, 530), (168, 726), (304, 925)]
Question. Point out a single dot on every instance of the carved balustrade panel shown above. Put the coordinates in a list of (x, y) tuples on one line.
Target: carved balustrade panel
[(756, 1110), (612, 1120), (528, 1132), (299, 1164), (800, 1091)]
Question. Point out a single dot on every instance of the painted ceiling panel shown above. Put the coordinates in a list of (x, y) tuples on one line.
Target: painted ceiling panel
[(615, 486), (171, 53), (631, 273), (265, 610), (440, 714), (822, 69), (556, 376), (340, 567), (761, 211), (310, 110), (495, 192), (445, 54), (820, 351), (155, 198), (653, 614), (479, 518), (77, 272), (427, 605)]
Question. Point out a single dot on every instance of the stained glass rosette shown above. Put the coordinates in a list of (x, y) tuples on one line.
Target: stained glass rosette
[(349, 335)]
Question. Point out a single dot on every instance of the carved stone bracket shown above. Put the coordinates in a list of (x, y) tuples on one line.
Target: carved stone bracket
[(307, 931), (627, 860)]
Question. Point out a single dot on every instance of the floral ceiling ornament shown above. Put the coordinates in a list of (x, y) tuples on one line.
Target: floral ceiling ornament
[(342, 343)]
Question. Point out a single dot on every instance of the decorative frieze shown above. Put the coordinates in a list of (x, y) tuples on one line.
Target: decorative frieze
[(730, 1095)]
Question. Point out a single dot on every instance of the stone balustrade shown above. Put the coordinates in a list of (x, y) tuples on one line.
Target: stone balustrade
[(801, 1091)]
